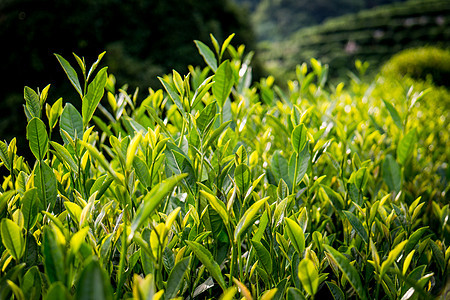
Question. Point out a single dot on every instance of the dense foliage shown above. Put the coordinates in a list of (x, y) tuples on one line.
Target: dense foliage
[(218, 187), (370, 35)]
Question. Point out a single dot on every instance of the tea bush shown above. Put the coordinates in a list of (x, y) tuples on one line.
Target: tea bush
[(214, 187), (420, 63)]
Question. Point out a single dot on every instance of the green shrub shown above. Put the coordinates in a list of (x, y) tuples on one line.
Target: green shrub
[(421, 64), (216, 187)]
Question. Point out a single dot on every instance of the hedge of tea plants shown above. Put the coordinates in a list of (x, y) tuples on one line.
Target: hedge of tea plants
[(214, 187)]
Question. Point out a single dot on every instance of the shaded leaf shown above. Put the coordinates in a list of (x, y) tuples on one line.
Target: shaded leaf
[(37, 138), (12, 238), (349, 271), (206, 258)]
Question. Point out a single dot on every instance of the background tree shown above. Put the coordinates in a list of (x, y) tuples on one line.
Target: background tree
[(143, 38)]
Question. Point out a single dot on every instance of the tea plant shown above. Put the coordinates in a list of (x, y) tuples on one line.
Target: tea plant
[(214, 187)]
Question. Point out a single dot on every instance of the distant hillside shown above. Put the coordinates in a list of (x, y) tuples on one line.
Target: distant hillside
[(370, 35), (275, 19)]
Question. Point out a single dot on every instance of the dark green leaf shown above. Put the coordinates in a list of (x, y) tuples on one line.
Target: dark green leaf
[(357, 225), (280, 168), (206, 258), (302, 161), (71, 122), (207, 54), (223, 82), (12, 238), (93, 96), (243, 178), (65, 157), (32, 283), (336, 292), (299, 138), (206, 117), (57, 291), (176, 277), (93, 283), (53, 256), (30, 208), (263, 256), (37, 138), (71, 74), (295, 294), (45, 182), (349, 271), (32, 102)]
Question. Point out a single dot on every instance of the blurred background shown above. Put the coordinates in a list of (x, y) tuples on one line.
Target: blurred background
[(147, 38)]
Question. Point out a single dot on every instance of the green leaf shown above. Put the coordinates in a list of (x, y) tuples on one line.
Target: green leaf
[(299, 137), (308, 276), (32, 102), (243, 178), (206, 118), (392, 174), (176, 277), (30, 208), (71, 74), (37, 138), (65, 157), (349, 271), (263, 256), (223, 82), (225, 44), (248, 218), (176, 98), (93, 283), (295, 234), (180, 163), (207, 55), (32, 283), (12, 238), (71, 122), (95, 93), (57, 291), (393, 254), (357, 225), (438, 255), (414, 238), (302, 161), (394, 114), (406, 146), (335, 291), (142, 171), (45, 182), (335, 198), (53, 256), (152, 200), (18, 294), (295, 294), (94, 65), (206, 258), (280, 168), (4, 156), (217, 205)]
